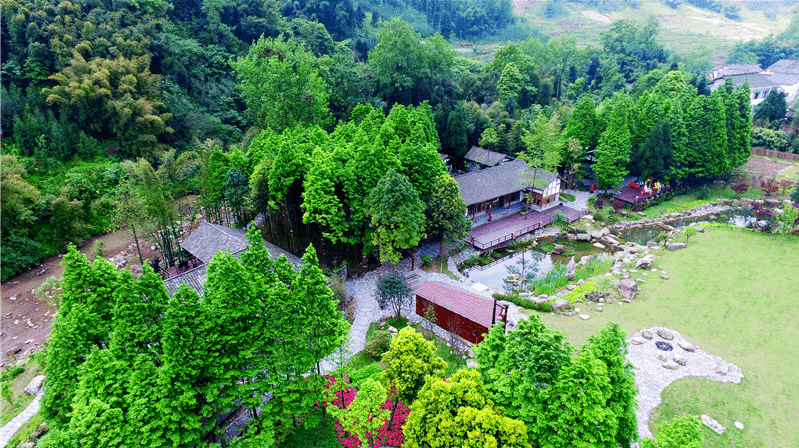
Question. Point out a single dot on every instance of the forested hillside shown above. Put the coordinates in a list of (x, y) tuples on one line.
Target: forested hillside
[(113, 110)]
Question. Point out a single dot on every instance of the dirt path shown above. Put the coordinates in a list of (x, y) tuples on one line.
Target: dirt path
[(25, 320)]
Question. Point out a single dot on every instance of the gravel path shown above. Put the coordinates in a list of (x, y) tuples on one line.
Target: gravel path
[(651, 377), (9, 429)]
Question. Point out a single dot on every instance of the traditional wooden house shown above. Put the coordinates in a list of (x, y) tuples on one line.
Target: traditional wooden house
[(205, 242), (504, 185), (545, 189), (478, 158), (464, 313)]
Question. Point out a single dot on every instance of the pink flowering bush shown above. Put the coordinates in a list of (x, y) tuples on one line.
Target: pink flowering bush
[(386, 435)]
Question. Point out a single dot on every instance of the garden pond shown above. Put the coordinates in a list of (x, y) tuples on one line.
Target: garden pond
[(738, 218), (493, 267)]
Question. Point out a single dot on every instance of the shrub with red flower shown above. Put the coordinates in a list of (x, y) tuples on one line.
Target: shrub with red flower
[(387, 434)]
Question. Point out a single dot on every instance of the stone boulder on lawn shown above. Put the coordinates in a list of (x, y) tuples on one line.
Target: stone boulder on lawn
[(645, 262), (559, 249), (675, 246), (33, 387), (628, 289), (561, 304)]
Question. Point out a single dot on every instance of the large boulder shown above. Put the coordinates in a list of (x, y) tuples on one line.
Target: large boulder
[(628, 289), (559, 249), (687, 346), (561, 304), (33, 387), (675, 246), (771, 202), (665, 333), (645, 262), (583, 237)]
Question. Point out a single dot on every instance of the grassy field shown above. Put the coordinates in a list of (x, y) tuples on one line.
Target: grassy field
[(731, 292), (696, 34)]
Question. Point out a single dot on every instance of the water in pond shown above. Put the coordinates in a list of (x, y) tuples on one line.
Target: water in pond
[(494, 275), (530, 260), (739, 218)]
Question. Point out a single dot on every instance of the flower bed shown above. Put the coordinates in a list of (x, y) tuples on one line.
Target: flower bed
[(387, 434)]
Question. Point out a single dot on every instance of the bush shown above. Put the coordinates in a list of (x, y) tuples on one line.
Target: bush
[(373, 371), (523, 302), (378, 344), (11, 372), (426, 260), (704, 192), (580, 291)]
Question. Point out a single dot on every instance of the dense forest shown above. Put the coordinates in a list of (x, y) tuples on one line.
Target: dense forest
[(125, 106), (328, 119)]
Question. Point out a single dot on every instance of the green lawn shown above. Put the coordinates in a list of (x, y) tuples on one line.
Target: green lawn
[(732, 293)]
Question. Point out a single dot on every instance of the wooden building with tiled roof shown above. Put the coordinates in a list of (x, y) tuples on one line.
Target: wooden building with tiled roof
[(464, 313)]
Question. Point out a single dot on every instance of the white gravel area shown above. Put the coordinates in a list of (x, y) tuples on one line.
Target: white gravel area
[(651, 377)]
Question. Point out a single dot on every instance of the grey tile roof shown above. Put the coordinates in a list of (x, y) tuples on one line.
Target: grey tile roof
[(784, 79), (485, 157), (735, 69), (490, 183), (785, 66), (205, 242), (195, 278), (209, 239), (756, 81)]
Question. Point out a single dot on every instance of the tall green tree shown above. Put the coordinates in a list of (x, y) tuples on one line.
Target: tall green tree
[(446, 212), (579, 402), (610, 347), (705, 154), (420, 63), (773, 108), (397, 215), (324, 326), (613, 151), (582, 123), (519, 367), (282, 85)]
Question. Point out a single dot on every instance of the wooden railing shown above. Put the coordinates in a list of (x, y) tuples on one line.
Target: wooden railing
[(777, 154), (525, 230)]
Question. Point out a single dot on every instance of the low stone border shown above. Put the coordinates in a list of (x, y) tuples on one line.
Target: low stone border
[(654, 373)]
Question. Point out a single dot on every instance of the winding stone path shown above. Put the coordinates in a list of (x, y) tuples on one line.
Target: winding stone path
[(10, 429), (651, 377)]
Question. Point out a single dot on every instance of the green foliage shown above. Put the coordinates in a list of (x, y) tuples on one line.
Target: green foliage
[(397, 214), (365, 414), (580, 291), (773, 108), (613, 151), (409, 362), (392, 290), (769, 139), (518, 369), (282, 85), (402, 74), (683, 432), (449, 412), (378, 344), (372, 371), (446, 211), (579, 401)]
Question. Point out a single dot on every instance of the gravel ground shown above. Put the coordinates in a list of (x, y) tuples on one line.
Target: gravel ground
[(651, 377)]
